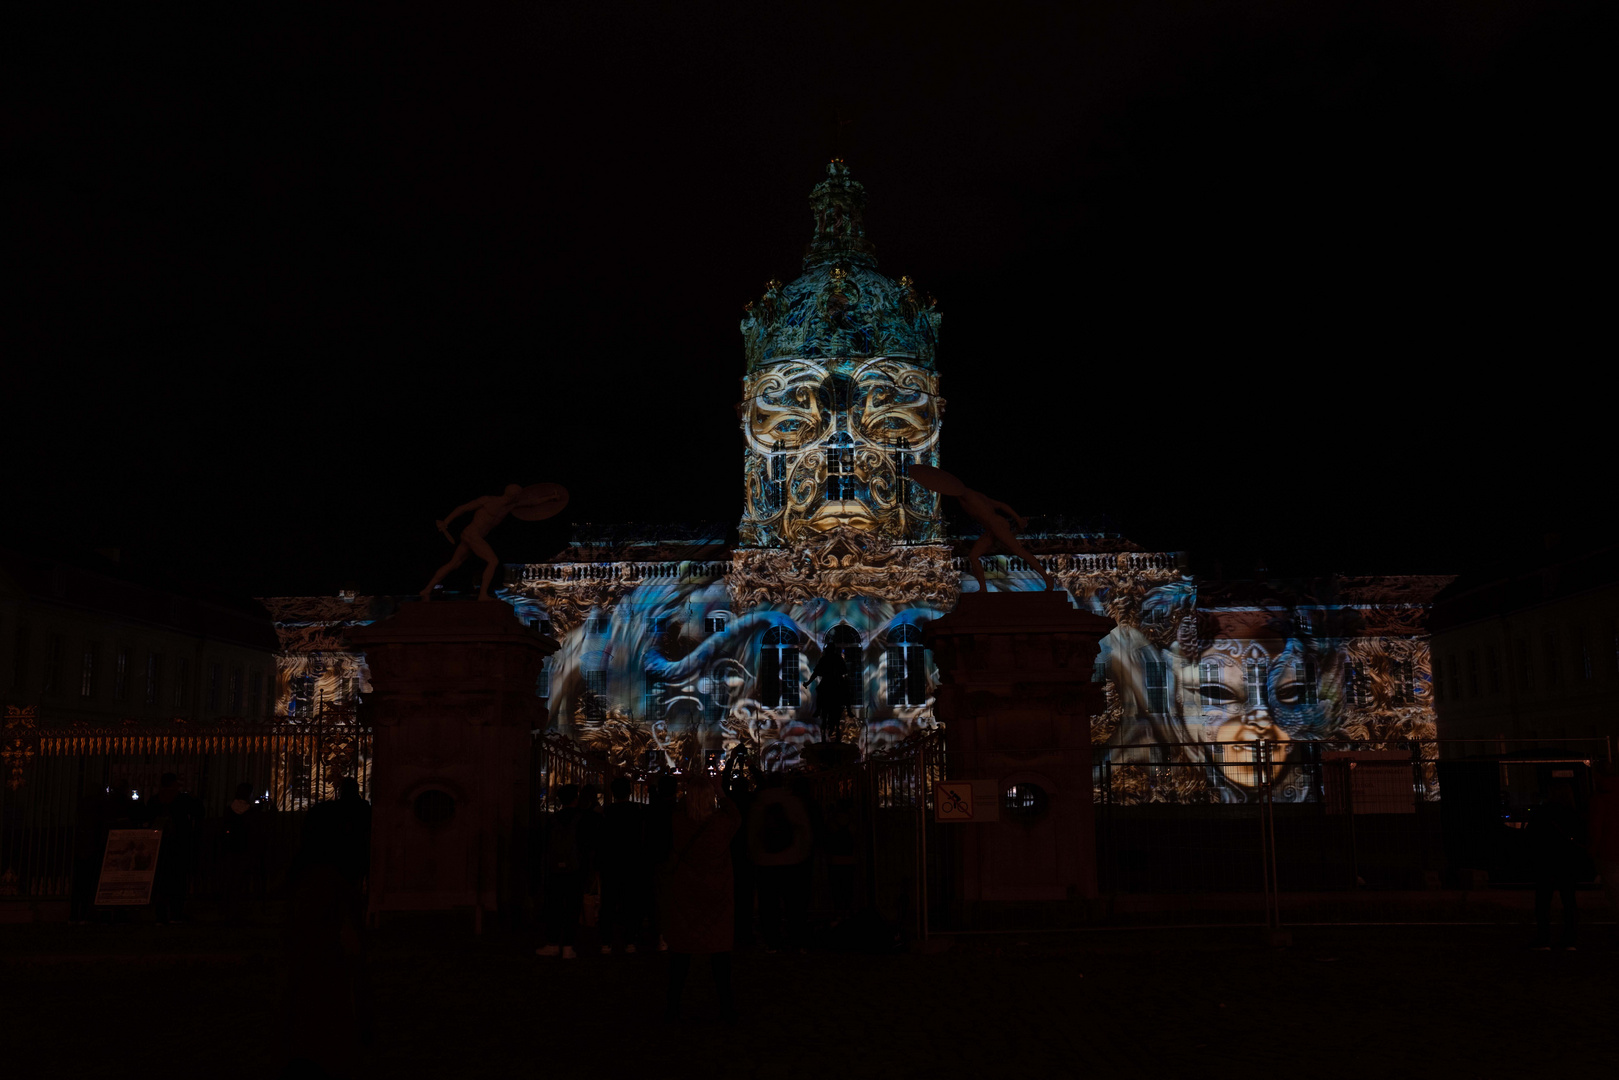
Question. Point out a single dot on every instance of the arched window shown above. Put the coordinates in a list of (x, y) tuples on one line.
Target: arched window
[(846, 639), (907, 673), (778, 668)]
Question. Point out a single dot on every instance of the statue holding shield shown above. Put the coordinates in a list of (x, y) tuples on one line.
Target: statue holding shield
[(533, 503)]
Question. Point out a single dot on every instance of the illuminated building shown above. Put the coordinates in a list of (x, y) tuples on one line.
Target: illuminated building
[(672, 640)]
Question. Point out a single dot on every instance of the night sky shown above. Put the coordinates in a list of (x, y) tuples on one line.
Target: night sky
[(1315, 286)]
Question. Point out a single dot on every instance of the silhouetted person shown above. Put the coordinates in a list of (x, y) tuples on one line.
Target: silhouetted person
[(567, 862), (626, 879), (780, 842), (327, 1001), (1604, 831), (339, 830), (98, 812), (841, 857), (1556, 852), (743, 878), (832, 697), (660, 839), (242, 849), (697, 914), (176, 814)]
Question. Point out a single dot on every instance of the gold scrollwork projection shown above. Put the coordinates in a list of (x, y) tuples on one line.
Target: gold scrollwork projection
[(315, 666), (844, 564), (826, 445)]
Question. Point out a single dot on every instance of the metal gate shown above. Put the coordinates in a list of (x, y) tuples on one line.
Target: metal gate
[(55, 777)]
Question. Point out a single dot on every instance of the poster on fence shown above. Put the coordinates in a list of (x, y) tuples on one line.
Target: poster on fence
[(128, 866)]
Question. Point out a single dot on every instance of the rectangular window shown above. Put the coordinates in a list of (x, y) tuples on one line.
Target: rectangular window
[(1253, 675), (652, 700), (840, 473), (255, 692), (714, 624), (1554, 669), (213, 689), (182, 684), (1472, 673), (1356, 692), (595, 695), (53, 665), (1211, 689), (1492, 669), (1157, 672), (542, 682), (302, 701), (233, 692), (1526, 670), (1582, 654), (87, 672), (120, 674), (19, 657), (154, 667), (1438, 680)]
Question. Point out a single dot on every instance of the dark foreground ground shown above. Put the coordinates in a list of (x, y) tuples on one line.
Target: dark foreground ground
[(201, 1001)]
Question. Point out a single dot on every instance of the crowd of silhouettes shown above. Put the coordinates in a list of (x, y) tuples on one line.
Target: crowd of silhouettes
[(706, 866)]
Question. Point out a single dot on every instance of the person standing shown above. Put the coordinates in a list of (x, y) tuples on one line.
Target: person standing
[(622, 864), (567, 863), (698, 916), (175, 813), (242, 848), (735, 784), (1556, 849), (328, 1018), (780, 842), (1604, 830), (98, 812)]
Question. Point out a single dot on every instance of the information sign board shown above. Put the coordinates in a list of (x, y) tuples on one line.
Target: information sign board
[(128, 866)]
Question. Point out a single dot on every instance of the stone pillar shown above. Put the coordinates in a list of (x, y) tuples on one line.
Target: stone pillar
[(453, 708), (1016, 698)]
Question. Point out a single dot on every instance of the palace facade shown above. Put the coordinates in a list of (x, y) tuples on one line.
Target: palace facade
[(674, 640)]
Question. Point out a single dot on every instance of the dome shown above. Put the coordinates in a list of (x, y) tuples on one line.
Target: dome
[(840, 306)]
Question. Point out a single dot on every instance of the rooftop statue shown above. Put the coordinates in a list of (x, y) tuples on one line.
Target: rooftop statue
[(533, 503), (995, 517)]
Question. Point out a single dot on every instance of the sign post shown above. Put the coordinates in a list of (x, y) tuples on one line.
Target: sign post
[(964, 802), (128, 866)]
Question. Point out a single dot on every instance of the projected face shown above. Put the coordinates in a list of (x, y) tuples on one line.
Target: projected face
[(826, 445), (1236, 709)]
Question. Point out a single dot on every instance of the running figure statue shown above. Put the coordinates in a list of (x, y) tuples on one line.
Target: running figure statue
[(532, 503)]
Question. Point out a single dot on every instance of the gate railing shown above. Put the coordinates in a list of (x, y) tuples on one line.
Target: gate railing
[(53, 776)]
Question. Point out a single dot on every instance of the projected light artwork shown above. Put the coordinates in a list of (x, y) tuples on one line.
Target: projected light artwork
[(678, 643)]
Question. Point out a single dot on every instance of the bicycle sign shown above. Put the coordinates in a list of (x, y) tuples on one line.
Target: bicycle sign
[(953, 800)]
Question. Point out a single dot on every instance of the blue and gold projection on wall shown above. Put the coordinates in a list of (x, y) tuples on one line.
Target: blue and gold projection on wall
[(672, 639)]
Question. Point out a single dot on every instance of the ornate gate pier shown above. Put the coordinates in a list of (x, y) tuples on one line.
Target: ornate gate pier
[(454, 706), (1016, 700)]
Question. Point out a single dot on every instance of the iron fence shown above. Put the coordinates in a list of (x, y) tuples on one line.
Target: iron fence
[(55, 779)]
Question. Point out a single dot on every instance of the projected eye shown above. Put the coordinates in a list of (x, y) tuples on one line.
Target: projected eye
[(1217, 694), (1290, 694)]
